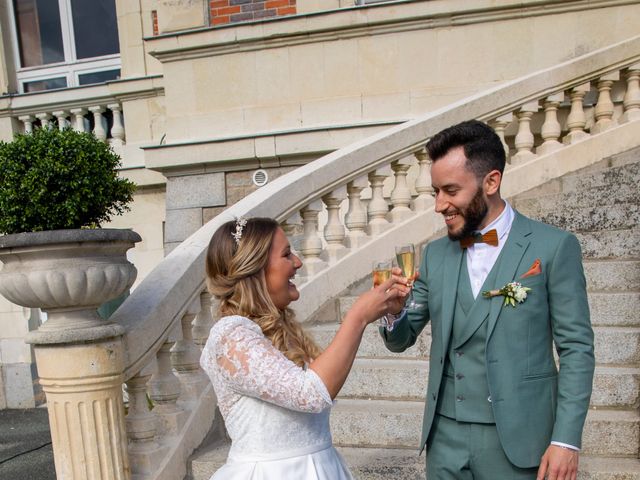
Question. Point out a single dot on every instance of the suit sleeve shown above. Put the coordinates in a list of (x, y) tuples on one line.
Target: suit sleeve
[(573, 336), (412, 322)]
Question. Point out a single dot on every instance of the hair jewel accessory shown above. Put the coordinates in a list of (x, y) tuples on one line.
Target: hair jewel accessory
[(240, 223)]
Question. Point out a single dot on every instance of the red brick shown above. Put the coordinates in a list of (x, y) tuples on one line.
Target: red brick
[(220, 20), (228, 10), (276, 4), (219, 3), (287, 11), (154, 22)]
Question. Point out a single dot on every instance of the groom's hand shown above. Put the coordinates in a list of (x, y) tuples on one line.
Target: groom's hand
[(558, 463)]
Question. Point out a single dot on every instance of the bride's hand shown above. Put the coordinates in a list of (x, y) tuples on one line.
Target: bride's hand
[(388, 297)]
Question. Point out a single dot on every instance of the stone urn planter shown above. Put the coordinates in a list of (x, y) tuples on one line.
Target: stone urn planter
[(68, 274)]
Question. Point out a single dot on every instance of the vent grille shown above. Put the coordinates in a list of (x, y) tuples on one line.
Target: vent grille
[(260, 178)]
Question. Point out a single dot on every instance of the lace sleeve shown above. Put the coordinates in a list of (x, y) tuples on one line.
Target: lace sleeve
[(251, 365)]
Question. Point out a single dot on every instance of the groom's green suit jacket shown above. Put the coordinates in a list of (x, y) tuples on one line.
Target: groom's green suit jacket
[(533, 401)]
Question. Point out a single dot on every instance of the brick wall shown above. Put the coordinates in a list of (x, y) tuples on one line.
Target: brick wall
[(232, 11)]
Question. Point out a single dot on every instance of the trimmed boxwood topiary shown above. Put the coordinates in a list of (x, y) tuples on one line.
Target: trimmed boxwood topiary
[(55, 179)]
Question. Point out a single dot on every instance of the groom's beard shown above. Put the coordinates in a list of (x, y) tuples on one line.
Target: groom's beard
[(473, 216)]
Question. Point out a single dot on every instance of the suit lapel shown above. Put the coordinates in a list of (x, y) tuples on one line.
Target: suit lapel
[(450, 279), (508, 261)]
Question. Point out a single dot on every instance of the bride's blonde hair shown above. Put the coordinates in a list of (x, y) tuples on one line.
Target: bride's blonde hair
[(236, 277)]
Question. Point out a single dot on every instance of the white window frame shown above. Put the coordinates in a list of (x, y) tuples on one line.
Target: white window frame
[(72, 67)]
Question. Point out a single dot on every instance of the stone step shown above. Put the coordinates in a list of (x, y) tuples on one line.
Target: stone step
[(372, 345), (387, 423), (590, 218), (606, 177), (387, 378), (612, 275), (616, 387), (617, 345), (614, 244), (406, 464), (607, 468), (538, 206), (377, 423), (615, 309), (612, 433), (400, 379)]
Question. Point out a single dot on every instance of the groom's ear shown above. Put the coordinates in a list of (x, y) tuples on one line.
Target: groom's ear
[(491, 182)]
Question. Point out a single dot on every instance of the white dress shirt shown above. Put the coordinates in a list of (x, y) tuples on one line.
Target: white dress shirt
[(481, 256)]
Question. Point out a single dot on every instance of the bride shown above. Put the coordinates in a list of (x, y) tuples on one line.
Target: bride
[(275, 387)]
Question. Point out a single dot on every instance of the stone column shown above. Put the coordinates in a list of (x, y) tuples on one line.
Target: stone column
[(83, 385)]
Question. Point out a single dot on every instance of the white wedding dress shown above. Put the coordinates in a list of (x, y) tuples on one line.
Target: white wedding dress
[(276, 413)]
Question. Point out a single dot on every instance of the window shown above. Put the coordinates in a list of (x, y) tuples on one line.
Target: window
[(65, 43)]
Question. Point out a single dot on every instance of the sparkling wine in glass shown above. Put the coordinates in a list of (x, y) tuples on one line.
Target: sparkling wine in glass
[(406, 257), (381, 272)]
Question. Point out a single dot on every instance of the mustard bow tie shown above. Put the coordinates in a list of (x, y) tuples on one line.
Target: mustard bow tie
[(491, 238)]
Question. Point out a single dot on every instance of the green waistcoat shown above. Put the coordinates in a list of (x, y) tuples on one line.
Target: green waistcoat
[(464, 391)]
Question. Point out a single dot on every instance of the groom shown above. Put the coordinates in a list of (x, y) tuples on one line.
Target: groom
[(497, 408)]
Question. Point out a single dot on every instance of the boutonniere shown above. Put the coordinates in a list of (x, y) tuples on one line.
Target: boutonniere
[(512, 292)]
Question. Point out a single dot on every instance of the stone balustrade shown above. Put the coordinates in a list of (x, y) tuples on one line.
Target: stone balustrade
[(396, 191), (105, 120), (341, 209)]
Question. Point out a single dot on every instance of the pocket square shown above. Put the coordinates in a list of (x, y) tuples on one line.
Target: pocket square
[(534, 269)]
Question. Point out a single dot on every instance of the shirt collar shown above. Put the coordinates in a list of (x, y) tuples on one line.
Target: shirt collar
[(502, 224)]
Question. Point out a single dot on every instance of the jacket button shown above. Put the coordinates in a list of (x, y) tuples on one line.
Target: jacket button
[(459, 354), (459, 398), (459, 376), (489, 399)]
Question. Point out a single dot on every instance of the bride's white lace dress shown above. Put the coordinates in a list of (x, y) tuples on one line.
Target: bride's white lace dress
[(276, 413)]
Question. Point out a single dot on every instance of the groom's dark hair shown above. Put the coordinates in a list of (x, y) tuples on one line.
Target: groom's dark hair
[(481, 144)]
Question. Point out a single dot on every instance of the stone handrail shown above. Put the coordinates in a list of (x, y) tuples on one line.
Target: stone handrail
[(159, 315)]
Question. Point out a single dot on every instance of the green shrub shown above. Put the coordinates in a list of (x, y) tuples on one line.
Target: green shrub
[(52, 179)]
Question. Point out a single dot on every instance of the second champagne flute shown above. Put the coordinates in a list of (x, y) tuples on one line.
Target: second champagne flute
[(406, 257)]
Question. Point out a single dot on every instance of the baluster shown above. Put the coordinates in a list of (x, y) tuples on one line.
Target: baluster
[(524, 137), (185, 357), (27, 120), (164, 390), (334, 231), (45, 119), (61, 116), (423, 182), (551, 129), (604, 107), (144, 452), (356, 217), (117, 130), (400, 195), (99, 128), (203, 322), (311, 245), (378, 207), (631, 99), (292, 227), (80, 124), (500, 124), (577, 120)]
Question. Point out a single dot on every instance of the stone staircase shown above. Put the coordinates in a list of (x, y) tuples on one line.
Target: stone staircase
[(376, 422)]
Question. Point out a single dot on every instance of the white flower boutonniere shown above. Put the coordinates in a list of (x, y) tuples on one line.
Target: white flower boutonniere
[(512, 292)]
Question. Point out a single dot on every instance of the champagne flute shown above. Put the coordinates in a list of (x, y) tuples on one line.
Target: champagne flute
[(381, 272), (406, 256)]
